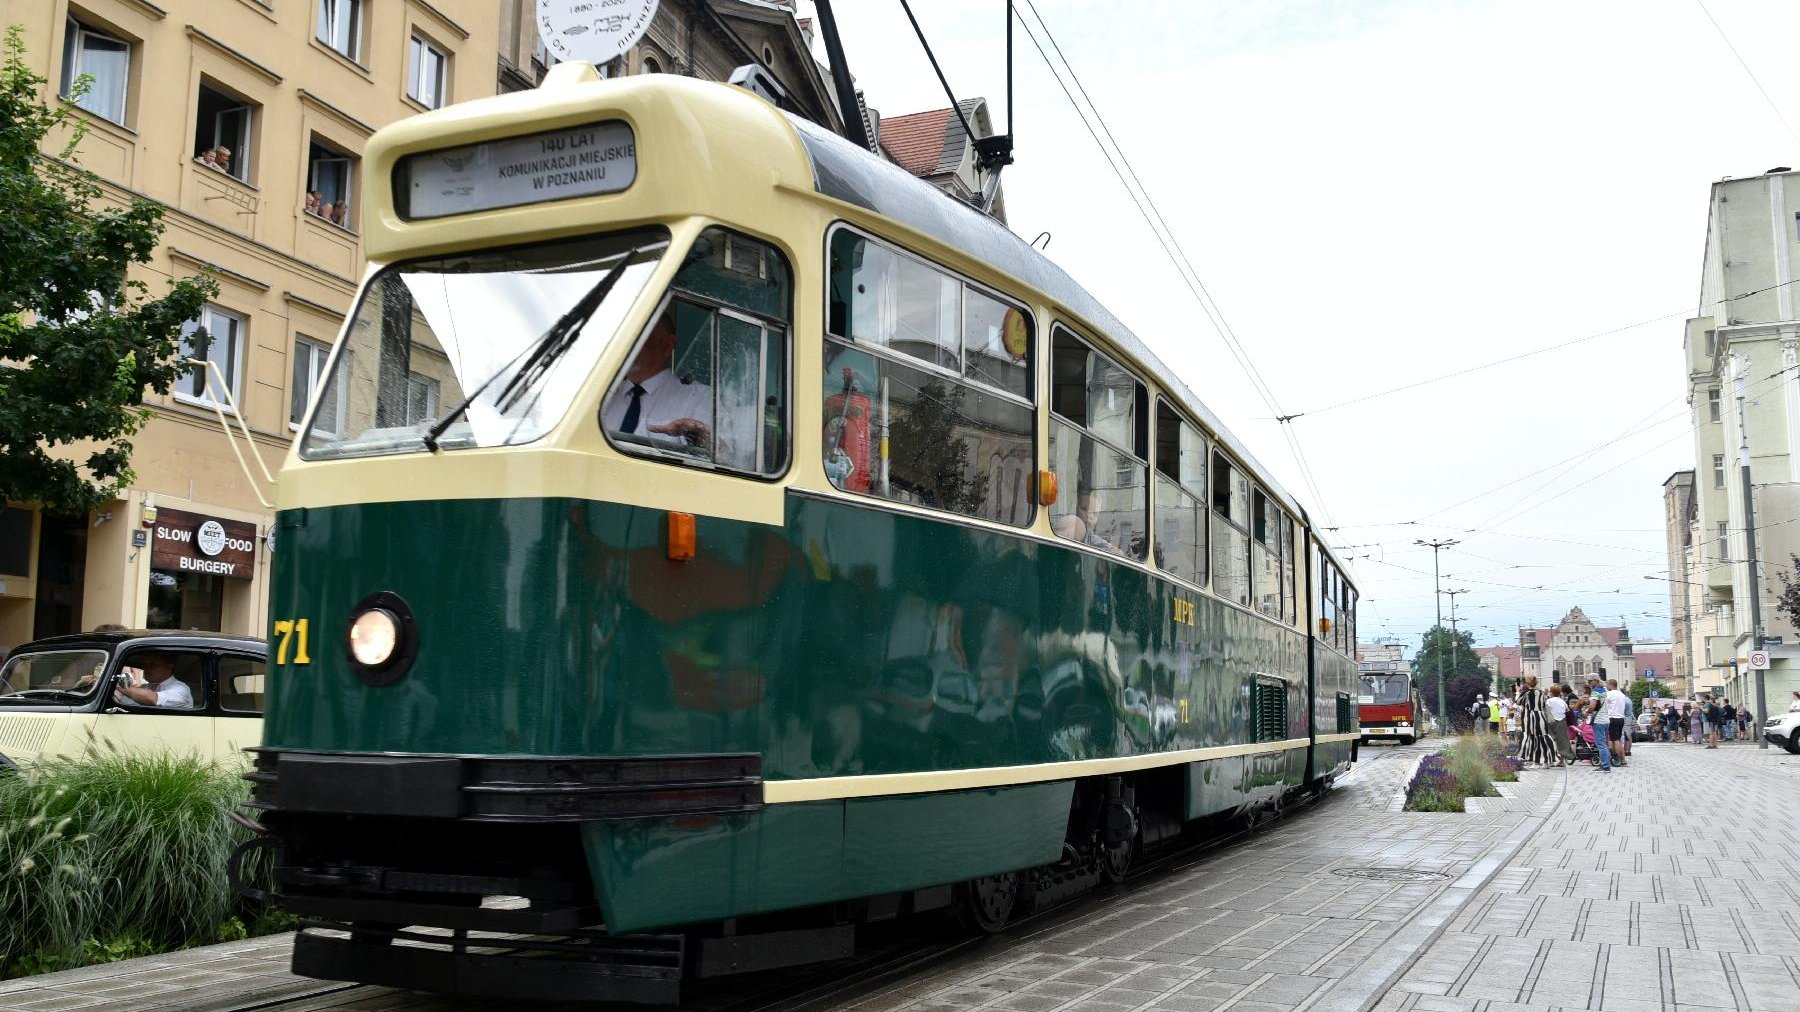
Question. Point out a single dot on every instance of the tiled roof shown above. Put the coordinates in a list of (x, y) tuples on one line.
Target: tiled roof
[(1661, 663), (1505, 658), (916, 141)]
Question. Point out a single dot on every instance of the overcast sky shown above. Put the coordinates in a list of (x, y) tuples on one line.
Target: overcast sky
[(1384, 191)]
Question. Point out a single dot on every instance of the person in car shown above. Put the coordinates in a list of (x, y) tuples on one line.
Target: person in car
[(161, 687)]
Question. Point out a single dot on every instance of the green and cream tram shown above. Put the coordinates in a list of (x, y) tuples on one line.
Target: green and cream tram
[(710, 536)]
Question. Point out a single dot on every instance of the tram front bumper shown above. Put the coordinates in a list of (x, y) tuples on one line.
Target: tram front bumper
[(504, 789)]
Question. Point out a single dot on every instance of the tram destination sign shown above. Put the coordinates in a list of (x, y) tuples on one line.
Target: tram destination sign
[(577, 162)]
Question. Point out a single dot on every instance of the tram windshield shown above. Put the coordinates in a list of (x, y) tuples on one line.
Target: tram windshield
[(429, 334), (1385, 689)]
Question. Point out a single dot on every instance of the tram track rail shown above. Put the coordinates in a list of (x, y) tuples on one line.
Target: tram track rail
[(915, 947)]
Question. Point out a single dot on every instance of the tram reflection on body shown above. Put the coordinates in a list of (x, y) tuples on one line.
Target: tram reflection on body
[(735, 539)]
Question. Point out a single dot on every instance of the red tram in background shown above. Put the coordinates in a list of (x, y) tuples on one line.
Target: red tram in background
[(1392, 708)]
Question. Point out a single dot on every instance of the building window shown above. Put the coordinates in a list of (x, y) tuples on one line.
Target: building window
[(105, 59), (1724, 543), (1718, 470), (222, 132), (330, 179), (340, 26), (216, 337), (310, 357), (1712, 342), (1712, 404), (650, 66), (427, 70), (421, 399)]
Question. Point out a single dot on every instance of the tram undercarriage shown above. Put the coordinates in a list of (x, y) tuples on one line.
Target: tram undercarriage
[(509, 909)]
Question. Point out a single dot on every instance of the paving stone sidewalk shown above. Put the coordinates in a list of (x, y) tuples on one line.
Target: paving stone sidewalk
[(1318, 913), (1672, 884)]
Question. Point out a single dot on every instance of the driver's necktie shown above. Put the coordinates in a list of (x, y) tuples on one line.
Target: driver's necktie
[(634, 411)]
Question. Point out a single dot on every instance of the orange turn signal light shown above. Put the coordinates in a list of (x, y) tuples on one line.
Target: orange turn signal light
[(1046, 488), (682, 539)]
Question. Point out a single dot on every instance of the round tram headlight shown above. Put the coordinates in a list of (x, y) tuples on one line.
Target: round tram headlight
[(381, 639), (374, 635)]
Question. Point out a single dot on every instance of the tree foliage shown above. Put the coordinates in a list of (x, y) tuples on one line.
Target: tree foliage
[(80, 339), (1787, 603), (1464, 677)]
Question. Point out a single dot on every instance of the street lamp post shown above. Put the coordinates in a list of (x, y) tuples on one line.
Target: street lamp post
[(1438, 599)]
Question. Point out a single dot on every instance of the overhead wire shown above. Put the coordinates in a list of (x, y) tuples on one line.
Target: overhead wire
[(1764, 92), (1165, 235), (1456, 373)]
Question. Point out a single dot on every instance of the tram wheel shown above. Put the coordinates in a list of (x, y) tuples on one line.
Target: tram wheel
[(984, 905), (1115, 860)]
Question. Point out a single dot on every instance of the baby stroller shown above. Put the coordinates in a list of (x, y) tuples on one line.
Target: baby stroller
[(1582, 736)]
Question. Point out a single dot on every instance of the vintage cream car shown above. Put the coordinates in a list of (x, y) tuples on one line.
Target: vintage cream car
[(59, 698)]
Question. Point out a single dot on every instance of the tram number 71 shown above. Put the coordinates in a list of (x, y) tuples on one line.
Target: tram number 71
[(287, 630), (1184, 611)]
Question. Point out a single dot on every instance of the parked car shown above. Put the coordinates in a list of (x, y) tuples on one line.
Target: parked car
[(61, 696), (1644, 728), (1784, 729)]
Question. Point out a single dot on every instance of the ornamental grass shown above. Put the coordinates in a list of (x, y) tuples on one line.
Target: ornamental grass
[(1468, 768), (114, 855)]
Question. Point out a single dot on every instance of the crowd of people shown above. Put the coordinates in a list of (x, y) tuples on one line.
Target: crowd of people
[(1547, 723)]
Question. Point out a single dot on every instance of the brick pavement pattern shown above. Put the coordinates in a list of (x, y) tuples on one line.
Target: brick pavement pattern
[(1672, 884)]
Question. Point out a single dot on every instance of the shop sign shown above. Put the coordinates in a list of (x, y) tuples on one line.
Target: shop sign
[(192, 543)]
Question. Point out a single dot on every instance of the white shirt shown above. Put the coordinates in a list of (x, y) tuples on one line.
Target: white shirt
[(1558, 709), (664, 400), (1616, 703), (171, 693)]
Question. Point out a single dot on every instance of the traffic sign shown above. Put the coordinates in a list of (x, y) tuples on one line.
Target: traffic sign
[(1759, 660)]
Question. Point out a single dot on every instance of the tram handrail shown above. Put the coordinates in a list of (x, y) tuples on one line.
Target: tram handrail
[(213, 370)]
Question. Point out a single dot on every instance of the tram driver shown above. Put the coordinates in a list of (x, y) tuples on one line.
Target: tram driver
[(651, 398)]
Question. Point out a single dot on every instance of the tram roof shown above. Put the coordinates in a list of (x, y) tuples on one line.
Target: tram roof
[(849, 173)]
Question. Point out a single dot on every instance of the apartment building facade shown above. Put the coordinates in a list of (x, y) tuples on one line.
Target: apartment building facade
[(245, 120), (1743, 380)]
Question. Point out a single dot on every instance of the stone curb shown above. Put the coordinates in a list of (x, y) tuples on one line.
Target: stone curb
[(195, 957), (1364, 987)]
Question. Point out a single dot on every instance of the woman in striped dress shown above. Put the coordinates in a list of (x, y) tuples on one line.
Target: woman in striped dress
[(1535, 747)]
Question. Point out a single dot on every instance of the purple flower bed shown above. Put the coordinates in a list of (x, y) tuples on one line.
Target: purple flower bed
[(1434, 787)]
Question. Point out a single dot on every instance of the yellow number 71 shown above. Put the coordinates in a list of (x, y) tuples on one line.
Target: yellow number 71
[(287, 630)]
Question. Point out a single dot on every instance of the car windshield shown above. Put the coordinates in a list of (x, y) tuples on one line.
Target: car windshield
[(70, 674), (1383, 689), (429, 333)]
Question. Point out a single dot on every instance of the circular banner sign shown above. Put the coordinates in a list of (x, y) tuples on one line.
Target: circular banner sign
[(593, 30), (210, 538)]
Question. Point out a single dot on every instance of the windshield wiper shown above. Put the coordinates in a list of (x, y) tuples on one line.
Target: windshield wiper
[(542, 353)]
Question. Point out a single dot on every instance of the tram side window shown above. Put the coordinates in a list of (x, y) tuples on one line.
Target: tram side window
[(1098, 449), (1289, 598), (1349, 617), (927, 386), (1265, 554), (1230, 532), (1327, 599), (1180, 505)]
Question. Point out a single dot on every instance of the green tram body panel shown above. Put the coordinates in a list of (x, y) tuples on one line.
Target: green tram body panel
[(850, 641)]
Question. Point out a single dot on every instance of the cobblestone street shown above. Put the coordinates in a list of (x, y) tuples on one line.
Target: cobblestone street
[(1667, 885)]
